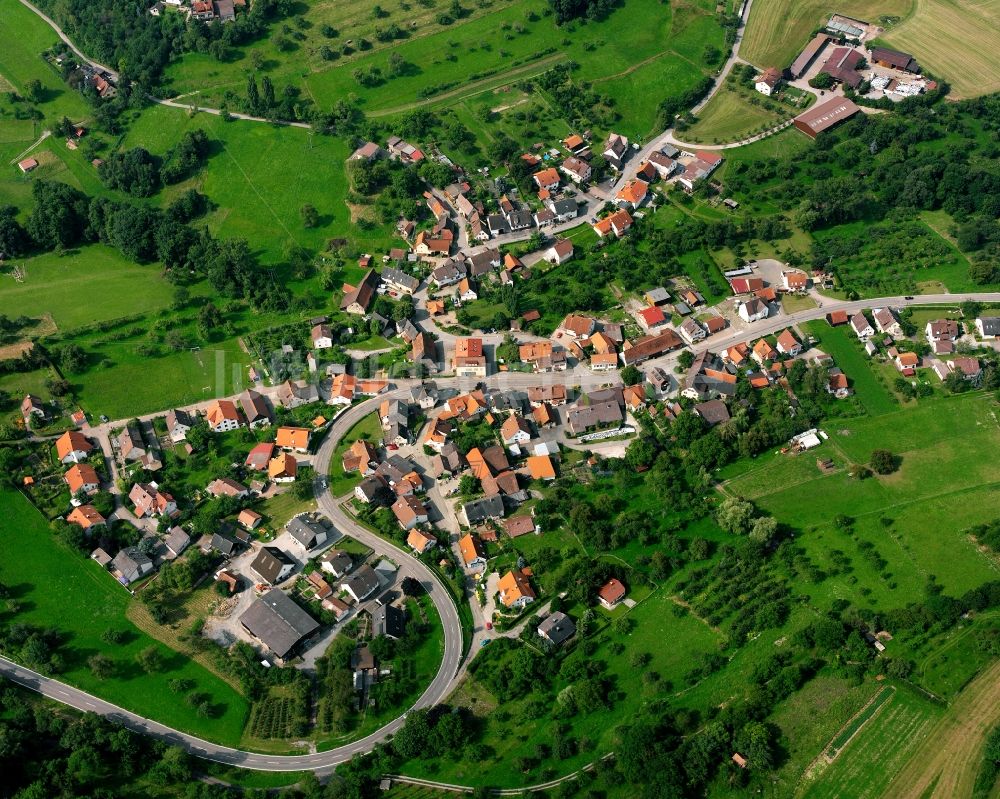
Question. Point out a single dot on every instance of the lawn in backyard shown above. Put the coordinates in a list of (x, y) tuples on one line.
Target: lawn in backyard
[(369, 429), (867, 764), (32, 561), (841, 344)]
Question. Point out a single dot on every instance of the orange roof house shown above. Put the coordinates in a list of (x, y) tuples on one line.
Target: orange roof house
[(473, 554), (73, 446), (633, 193), (540, 467), (82, 476), (611, 593), (283, 468), (86, 516), (222, 416), (515, 590), (296, 438)]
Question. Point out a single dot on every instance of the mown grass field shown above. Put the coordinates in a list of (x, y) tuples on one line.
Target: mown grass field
[(778, 29), (92, 284), (47, 579), (866, 765), (958, 40), (727, 117)]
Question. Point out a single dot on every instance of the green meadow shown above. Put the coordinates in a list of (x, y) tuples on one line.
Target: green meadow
[(47, 579)]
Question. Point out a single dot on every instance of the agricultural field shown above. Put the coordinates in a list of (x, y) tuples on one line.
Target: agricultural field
[(32, 562), (958, 40), (778, 29), (864, 768)]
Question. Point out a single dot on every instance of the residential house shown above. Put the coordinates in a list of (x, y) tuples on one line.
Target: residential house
[(361, 584), (225, 487), (397, 280), (611, 593), (580, 420), (515, 430), (577, 326), (547, 179), (484, 261), (249, 519), (691, 331), (554, 394), (563, 210), (131, 447), (617, 224), (223, 544), (988, 327), (81, 477), (970, 369), (390, 621), (708, 378), (278, 622), (469, 360), (794, 280), (430, 244), (540, 467), (73, 447), (336, 562), (632, 195), (283, 468), (713, 411), (887, 322), (651, 318), (907, 363), (481, 510), (557, 628), (149, 501), (259, 457), (768, 82), (838, 384), (294, 393), (467, 291), (222, 416), (448, 273), (861, 326), (369, 151), (419, 541), (308, 530), (763, 352), (519, 525), (835, 318), (131, 564), (357, 299), (176, 541), (272, 565), (575, 169), (86, 516), (663, 164), (942, 330), (753, 310), (704, 164), (472, 551), (560, 252), (178, 424), (787, 344), (295, 439), (515, 590), (403, 150), (616, 151), (322, 337)]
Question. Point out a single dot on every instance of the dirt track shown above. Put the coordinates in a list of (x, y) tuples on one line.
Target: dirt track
[(951, 751)]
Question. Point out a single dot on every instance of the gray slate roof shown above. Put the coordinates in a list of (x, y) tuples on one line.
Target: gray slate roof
[(278, 622)]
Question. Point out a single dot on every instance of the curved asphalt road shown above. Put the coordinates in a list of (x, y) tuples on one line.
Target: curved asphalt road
[(446, 678)]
